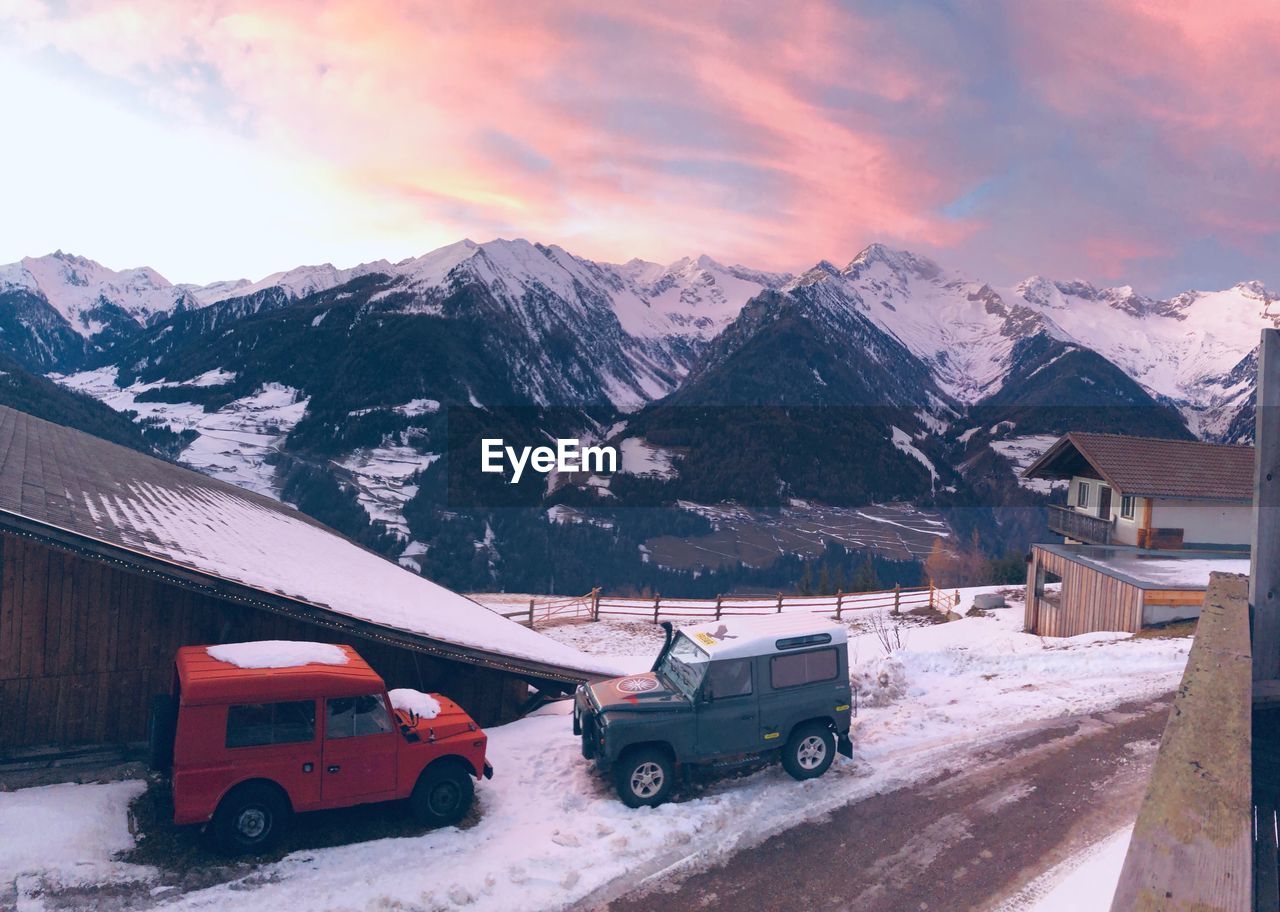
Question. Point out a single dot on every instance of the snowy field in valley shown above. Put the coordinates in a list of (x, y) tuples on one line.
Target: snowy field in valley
[(233, 443), (550, 832)]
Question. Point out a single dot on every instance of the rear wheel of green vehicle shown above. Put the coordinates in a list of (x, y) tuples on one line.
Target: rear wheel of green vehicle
[(644, 776), (809, 751)]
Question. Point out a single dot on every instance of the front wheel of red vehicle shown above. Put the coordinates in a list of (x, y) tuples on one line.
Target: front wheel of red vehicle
[(251, 818), (443, 795)]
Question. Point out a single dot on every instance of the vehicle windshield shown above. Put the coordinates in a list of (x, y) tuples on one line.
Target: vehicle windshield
[(685, 665)]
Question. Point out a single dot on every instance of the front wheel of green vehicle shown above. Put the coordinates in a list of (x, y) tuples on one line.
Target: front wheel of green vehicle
[(809, 751), (644, 776)]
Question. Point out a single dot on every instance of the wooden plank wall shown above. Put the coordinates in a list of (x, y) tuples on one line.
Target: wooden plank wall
[(1089, 599), (84, 645)]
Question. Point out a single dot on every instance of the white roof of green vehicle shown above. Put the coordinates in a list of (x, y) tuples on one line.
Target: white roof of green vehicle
[(743, 637)]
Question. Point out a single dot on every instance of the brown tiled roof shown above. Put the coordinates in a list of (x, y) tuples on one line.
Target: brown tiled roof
[(1154, 467)]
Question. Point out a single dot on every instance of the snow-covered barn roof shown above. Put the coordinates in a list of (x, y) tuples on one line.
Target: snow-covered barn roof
[(63, 480)]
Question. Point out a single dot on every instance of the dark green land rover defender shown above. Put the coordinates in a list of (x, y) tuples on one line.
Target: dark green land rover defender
[(722, 694)]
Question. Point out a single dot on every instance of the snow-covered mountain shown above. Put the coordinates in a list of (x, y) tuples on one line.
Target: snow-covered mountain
[(918, 381), (91, 297)]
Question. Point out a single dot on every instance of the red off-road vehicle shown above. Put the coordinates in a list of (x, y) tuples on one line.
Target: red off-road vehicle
[(249, 746)]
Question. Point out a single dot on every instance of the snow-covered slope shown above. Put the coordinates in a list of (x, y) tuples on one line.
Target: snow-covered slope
[(964, 330), (1185, 349), (88, 294)]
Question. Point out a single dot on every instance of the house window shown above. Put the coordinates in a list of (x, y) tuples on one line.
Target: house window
[(1126, 506), (1082, 494)]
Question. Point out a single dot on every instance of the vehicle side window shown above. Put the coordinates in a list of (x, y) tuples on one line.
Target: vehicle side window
[(350, 717), (803, 668), (728, 678), (256, 724)]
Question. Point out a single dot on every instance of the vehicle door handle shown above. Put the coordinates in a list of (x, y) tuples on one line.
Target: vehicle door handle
[(334, 768)]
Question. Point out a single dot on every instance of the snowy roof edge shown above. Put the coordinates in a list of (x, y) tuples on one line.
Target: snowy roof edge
[(179, 574)]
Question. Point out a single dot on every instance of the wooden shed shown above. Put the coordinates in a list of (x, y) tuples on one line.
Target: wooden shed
[(110, 560), (1075, 589)]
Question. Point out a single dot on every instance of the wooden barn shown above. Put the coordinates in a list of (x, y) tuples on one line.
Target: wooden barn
[(110, 560), (1075, 589)]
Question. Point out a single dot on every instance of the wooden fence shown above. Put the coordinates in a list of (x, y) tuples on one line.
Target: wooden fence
[(594, 606)]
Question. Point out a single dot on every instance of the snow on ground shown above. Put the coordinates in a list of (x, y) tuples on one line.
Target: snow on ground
[(639, 457), (902, 441), (551, 831), (1022, 451), (1087, 880), (66, 835), (381, 477), (234, 442)]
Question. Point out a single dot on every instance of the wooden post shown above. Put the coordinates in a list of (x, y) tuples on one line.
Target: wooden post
[(719, 598), (657, 606), (530, 614), (955, 606), (595, 604), (779, 603), (1264, 585), (839, 603), (930, 595), (897, 598)]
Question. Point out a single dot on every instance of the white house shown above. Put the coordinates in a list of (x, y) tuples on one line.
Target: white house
[(1148, 492)]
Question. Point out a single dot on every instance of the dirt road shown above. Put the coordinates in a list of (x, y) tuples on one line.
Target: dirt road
[(964, 840)]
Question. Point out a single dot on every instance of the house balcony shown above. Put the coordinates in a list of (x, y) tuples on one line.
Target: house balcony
[(1081, 527)]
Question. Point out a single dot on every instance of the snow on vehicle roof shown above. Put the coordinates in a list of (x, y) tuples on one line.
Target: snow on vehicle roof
[(736, 638), (278, 654), (68, 480)]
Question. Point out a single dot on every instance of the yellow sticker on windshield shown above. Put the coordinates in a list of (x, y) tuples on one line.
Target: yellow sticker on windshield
[(705, 639)]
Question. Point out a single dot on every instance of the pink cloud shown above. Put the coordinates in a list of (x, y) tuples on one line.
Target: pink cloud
[(769, 133)]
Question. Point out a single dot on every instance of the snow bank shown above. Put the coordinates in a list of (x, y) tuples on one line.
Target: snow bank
[(278, 654), (414, 701), (1087, 880), (66, 832)]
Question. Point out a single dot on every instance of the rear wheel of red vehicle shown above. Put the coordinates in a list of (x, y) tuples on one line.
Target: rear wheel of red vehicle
[(252, 818), (443, 795)]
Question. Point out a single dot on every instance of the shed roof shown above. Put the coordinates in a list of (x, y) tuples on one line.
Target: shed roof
[(1152, 466), (175, 519), (205, 679), (1153, 569), (740, 637)]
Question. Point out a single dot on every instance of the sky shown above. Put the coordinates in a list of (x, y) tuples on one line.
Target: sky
[(1120, 142)]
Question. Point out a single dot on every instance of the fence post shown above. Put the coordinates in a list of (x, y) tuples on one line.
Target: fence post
[(930, 595), (955, 606), (530, 614), (657, 603), (719, 598), (897, 598), (839, 603), (595, 604), (779, 603)]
